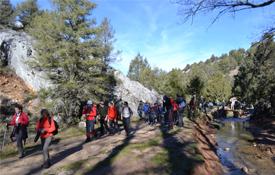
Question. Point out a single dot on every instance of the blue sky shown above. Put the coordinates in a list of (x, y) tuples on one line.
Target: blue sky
[(155, 29)]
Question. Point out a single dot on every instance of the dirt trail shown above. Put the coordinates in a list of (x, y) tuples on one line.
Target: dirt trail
[(151, 150)]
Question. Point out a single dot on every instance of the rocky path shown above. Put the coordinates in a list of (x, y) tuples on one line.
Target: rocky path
[(150, 150)]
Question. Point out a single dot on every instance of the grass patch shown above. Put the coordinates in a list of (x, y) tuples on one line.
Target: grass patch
[(135, 119), (71, 132), (161, 158), (139, 146), (74, 166), (9, 151)]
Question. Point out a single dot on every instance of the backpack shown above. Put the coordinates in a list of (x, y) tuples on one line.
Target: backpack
[(182, 104), (56, 128), (146, 108)]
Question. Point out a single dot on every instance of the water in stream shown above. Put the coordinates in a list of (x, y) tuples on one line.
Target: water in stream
[(236, 150)]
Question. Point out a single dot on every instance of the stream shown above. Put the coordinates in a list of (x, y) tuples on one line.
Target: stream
[(237, 152)]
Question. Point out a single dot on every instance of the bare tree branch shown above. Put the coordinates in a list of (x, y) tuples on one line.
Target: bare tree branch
[(190, 8)]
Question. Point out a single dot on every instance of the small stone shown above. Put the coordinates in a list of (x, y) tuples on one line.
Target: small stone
[(226, 149), (245, 170)]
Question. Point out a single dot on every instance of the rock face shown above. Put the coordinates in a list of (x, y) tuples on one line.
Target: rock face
[(133, 91), (16, 50)]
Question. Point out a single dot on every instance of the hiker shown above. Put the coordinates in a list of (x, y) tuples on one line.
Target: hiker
[(182, 104), (102, 111), (159, 113), (20, 121), (175, 107), (233, 102), (139, 109), (119, 106), (156, 113), (192, 106), (111, 117), (45, 127), (146, 111), (126, 117), (203, 104), (167, 107), (151, 115), (90, 112)]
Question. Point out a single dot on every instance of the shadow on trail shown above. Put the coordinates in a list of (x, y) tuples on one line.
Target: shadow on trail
[(181, 159), (30, 151), (58, 157), (105, 166)]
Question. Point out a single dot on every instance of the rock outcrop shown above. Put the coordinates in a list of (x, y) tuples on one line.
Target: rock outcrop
[(133, 91), (17, 49)]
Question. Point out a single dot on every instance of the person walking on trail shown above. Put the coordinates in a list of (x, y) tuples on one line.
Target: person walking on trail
[(46, 127), (103, 111), (112, 117), (175, 107), (140, 109), (167, 106), (192, 106), (182, 104), (119, 106), (154, 113), (203, 104), (146, 111), (90, 112), (126, 114), (20, 121)]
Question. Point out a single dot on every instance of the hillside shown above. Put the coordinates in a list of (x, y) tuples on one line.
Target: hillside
[(227, 64)]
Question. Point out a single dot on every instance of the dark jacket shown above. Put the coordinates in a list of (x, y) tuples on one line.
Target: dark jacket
[(102, 111)]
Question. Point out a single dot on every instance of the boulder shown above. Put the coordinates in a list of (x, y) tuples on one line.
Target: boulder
[(133, 92), (17, 50)]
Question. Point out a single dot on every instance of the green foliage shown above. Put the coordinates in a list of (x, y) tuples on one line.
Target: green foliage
[(6, 13), (217, 88), (173, 83), (178, 81), (255, 82), (195, 86), (26, 11), (137, 66), (74, 52)]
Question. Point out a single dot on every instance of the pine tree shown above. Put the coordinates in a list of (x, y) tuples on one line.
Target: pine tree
[(26, 11), (137, 65), (6, 13), (195, 86), (255, 82), (70, 51)]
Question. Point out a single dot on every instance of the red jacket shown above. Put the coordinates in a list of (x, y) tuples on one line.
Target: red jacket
[(112, 113), (49, 127), (175, 105), (92, 113), (23, 119)]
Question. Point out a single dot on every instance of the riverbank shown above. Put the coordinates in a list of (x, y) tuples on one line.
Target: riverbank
[(263, 130), (246, 148), (205, 136)]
